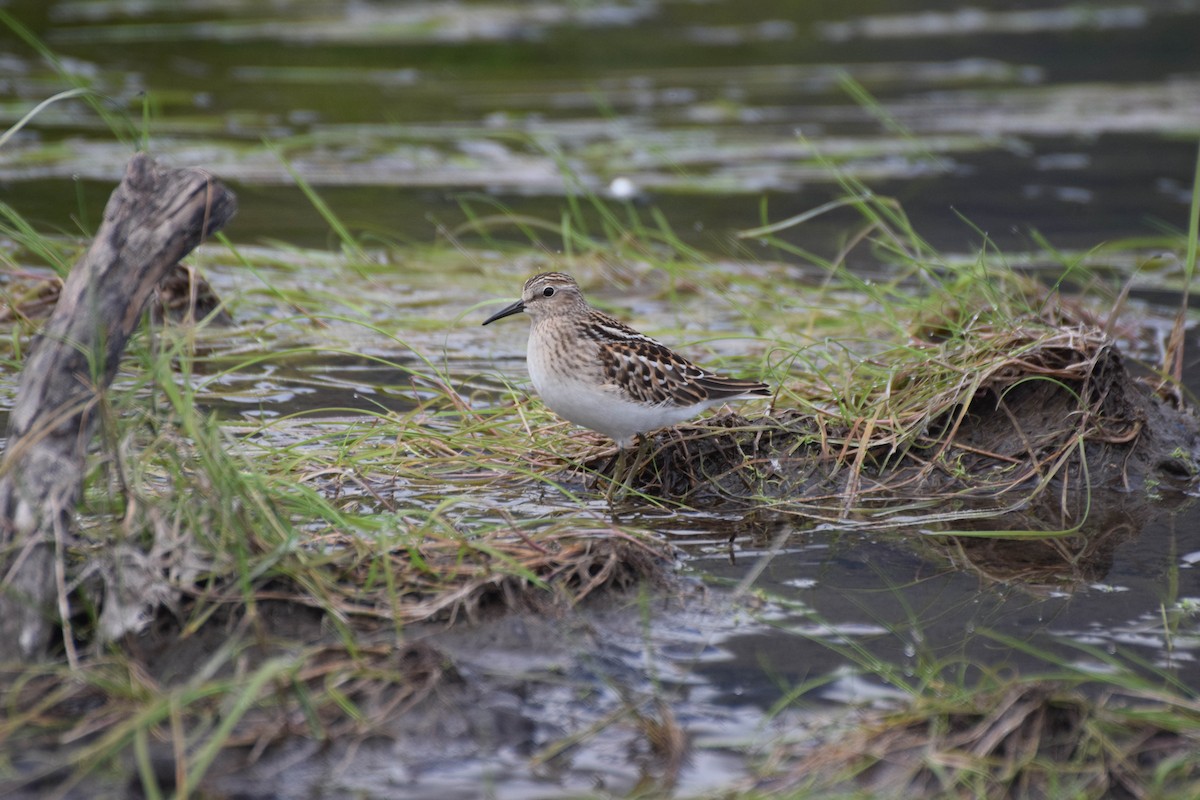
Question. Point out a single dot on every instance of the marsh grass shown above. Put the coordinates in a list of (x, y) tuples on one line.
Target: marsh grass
[(1026, 739), (208, 530), (469, 498), (1078, 720), (1090, 724), (889, 406)]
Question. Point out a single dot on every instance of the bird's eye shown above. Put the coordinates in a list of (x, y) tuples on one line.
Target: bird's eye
[(548, 291)]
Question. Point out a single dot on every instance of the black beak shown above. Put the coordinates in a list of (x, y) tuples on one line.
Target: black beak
[(515, 308)]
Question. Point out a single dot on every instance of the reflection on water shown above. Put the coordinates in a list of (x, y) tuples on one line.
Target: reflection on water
[(939, 605)]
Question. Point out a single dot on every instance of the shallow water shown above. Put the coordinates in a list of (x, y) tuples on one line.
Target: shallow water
[(1055, 120)]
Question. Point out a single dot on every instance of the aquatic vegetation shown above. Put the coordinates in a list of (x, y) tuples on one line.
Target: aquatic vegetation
[(432, 491), (353, 529)]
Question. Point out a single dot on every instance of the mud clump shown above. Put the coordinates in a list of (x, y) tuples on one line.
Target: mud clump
[(1062, 419)]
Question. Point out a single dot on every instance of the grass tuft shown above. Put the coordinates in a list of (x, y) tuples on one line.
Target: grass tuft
[(1027, 740)]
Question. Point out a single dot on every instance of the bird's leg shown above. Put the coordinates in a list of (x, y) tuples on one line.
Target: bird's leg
[(643, 454), (628, 465), (616, 481)]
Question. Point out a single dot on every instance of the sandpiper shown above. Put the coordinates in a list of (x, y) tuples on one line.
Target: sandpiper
[(599, 373)]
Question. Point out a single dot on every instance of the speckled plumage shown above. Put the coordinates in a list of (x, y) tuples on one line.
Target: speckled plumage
[(599, 373)]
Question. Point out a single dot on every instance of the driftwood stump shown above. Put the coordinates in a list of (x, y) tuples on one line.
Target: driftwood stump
[(153, 219)]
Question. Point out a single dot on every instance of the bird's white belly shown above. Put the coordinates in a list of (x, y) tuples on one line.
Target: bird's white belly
[(600, 407)]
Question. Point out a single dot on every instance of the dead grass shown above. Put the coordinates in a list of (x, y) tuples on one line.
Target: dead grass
[(259, 693), (444, 579), (1029, 740), (991, 420), (184, 295)]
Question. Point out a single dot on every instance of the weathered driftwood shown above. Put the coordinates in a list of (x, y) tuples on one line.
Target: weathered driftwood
[(153, 219)]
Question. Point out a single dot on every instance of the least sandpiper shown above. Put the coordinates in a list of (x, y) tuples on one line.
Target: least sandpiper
[(601, 374)]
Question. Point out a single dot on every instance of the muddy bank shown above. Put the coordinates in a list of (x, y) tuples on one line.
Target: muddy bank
[(537, 702), (1055, 425), (617, 695)]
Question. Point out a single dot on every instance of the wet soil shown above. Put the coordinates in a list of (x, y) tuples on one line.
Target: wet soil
[(1060, 425), (510, 690)]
